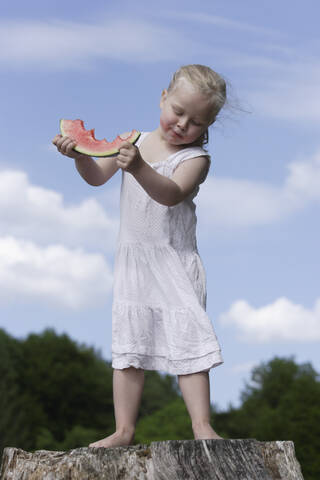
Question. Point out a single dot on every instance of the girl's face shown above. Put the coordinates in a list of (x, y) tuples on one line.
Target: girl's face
[(185, 114)]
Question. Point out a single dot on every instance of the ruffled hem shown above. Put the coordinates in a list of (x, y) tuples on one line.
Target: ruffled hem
[(178, 334), (173, 367)]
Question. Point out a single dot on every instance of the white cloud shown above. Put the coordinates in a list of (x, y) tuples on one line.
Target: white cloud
[(234, 203), (39, 214), (279, 321), (280, 80), (298, 101), (37, 230), (222, 22), (284, 81), (227, 202), (59, 44), (55, 274), (243, 367), (303, 180), (34, 213), (289, 90)]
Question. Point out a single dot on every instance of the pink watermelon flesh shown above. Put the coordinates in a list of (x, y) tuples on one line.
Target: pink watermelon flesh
[(88, 144)]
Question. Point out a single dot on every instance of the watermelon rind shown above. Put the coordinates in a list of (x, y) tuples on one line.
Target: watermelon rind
[(132, 138)]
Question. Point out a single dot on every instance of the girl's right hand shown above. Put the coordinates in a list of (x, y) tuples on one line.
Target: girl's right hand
[(65, 145)]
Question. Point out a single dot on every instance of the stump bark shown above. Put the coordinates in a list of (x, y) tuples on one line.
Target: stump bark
[(167, 460)]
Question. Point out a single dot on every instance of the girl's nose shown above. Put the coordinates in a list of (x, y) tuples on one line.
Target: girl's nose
[(182, 123)]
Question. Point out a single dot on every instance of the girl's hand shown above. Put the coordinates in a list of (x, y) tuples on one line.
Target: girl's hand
[(65, 145), (129, 158)]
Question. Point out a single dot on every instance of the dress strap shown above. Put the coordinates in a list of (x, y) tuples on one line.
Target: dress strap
[(181, 156), (186, 154), (141, 138)]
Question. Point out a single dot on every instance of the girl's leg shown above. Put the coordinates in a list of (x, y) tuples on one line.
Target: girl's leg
[(127, 392), (195, 389)]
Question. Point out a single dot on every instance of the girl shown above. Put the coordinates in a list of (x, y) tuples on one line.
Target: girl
[(159, 320)]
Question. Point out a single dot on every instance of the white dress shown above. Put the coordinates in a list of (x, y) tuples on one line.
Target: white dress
[(159, 320)]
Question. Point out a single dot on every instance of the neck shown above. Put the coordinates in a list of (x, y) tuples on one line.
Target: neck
[(158, 137)]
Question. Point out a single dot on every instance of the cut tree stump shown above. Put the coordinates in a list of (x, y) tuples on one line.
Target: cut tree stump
[(168, 460)]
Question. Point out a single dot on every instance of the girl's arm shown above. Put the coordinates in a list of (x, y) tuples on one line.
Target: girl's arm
[(171, 191), (164, 190), (94, 172)]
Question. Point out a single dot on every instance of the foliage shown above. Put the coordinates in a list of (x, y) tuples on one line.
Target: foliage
[(171, 422), (57, 395), (64, 384), (13, 417), (282, 402), (158, 391)]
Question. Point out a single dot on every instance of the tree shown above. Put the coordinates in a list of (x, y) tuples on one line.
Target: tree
[(57, 394), (12, 418), (64, 384), (159, 391), (172, 422), (282, 402)]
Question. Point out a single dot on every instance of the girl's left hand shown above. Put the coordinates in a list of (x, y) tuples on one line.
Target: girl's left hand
[(129, 158)]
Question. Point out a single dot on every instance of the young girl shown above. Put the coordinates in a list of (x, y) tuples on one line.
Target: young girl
[(159, 320)]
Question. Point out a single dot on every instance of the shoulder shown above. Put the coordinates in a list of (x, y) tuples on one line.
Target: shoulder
[(194, 167), (193, 156), (191, 153), (199, 162), (196, 159)]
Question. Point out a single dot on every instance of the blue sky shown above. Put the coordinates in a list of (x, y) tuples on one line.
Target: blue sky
[(258, 211)]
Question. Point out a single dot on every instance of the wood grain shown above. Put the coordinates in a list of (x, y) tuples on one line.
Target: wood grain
[(167, 460)]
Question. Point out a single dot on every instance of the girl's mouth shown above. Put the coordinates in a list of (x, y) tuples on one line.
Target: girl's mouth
[(178, 135)]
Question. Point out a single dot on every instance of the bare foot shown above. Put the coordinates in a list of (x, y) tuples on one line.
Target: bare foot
[(205, 432), (117, 439)]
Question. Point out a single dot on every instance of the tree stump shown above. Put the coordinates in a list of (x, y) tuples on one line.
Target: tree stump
[(168, 460)]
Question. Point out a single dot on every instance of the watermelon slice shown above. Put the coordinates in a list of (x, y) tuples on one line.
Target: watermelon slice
[(88, 144)]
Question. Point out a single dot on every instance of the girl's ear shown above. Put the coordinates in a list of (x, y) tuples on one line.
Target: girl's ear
[(164, 95)]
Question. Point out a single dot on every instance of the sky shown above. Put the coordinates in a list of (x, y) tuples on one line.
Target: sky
[(258, 211)]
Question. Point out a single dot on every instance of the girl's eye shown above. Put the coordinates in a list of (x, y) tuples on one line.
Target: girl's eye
[(177, 112), (196, 124)]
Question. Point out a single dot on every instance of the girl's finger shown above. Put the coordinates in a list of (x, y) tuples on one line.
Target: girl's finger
[(61, 140), (125, 144), (56, 138), (122, 151), (123, 155), (66, 141), (121, 160), (125, 147), (71, 146)]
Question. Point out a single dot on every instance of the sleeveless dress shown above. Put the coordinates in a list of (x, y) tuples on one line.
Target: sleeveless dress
[(159, 321)]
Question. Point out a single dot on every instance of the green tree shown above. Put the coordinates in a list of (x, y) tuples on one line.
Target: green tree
[(57, 394), (172, 422), (159, 391), (12, 418), (282, 402), (64, 384)]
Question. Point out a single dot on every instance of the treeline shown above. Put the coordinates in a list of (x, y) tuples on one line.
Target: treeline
[(56, 394)]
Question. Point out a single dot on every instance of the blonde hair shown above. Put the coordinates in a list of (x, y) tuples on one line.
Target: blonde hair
[(209, 83)]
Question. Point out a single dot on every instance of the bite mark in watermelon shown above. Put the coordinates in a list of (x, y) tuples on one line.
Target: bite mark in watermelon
[(88, 144)]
